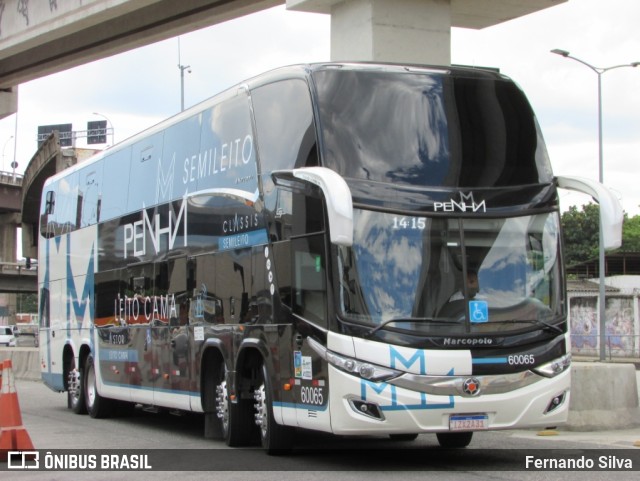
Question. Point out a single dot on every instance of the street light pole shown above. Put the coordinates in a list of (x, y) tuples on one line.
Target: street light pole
[(601, 259), (113, 130), (182, 69)]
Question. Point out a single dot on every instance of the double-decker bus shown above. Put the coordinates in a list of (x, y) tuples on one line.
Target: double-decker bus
[(348, 248)]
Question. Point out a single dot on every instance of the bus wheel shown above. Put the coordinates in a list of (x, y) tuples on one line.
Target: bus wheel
[(97, 406), (235, 418), (275, 438), (454, 440), (75, 391)]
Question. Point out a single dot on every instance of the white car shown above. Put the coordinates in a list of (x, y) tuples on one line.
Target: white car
[(6, 336)]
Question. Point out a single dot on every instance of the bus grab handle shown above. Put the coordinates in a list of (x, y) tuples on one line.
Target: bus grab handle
[(337, 198)]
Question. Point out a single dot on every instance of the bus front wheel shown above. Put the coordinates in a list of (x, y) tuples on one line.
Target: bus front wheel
[(275, 438), (454, 440)]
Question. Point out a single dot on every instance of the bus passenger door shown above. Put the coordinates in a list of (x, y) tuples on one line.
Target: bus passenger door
[(171, 348), (310, 307)]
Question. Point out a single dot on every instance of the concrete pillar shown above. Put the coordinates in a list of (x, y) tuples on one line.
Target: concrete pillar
[(8, 236), (8, 102), (8, 241), (403, 31)]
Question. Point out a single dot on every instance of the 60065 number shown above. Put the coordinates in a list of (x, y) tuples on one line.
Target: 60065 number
[(521, 359), (311, 395)]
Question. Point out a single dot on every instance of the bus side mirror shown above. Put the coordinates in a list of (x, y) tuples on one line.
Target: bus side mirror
[(611, 213), (337, 197)]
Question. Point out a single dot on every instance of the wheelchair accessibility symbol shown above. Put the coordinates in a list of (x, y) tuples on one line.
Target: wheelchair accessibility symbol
[(479, 311)]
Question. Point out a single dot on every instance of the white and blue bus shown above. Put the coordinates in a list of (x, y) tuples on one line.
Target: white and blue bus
[(348, 248)]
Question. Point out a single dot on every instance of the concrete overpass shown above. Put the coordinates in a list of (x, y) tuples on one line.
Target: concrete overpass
[(41, 38), (14, 277), (17, 278), (20, 206)]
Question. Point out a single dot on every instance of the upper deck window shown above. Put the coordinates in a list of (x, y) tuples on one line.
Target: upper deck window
[(429, 129)]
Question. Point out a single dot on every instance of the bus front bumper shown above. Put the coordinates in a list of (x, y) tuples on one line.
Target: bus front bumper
[(359, 406)]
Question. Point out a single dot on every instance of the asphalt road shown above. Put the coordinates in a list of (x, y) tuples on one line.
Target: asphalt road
[(491, 455)]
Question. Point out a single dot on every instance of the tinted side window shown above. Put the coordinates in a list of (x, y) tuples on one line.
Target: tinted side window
[(47, 210), (181, 152), (234, 285), (59, 208), (67, 215), (284, 121), (115, 186), (89, 194), (227, 155), (145, 157), (286, 135)]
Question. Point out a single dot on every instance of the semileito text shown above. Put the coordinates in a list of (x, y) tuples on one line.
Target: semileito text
[(218, 159)]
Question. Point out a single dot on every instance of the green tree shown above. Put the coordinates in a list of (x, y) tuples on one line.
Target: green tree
[(631, 234), (27, 303), (580, 228)]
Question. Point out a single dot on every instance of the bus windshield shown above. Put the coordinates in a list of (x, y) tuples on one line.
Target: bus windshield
[(448, 275), (429, 129)]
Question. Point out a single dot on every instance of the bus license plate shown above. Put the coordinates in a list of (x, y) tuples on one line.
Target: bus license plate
[(468, 422)]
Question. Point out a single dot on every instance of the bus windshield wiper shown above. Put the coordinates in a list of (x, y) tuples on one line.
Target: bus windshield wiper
[(532, 321), (407, 319)]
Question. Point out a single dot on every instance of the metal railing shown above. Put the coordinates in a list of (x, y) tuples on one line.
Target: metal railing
[(11, 178), (18, 268)]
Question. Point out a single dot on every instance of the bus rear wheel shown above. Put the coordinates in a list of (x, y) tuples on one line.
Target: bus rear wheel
[(75, 390), (454, 440), (275, 438), (97, 406)]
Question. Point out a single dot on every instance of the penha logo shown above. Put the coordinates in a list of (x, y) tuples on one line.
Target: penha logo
[(466, 203)]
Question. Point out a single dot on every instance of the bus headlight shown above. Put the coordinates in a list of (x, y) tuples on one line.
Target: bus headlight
[(555, 367), (365, 370)]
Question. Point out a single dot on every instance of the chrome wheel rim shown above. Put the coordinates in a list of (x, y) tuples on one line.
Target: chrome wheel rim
[(91, 386), (262, 413), (222, 405)]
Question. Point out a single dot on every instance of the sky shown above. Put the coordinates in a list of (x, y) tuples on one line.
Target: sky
[(137, 89)]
